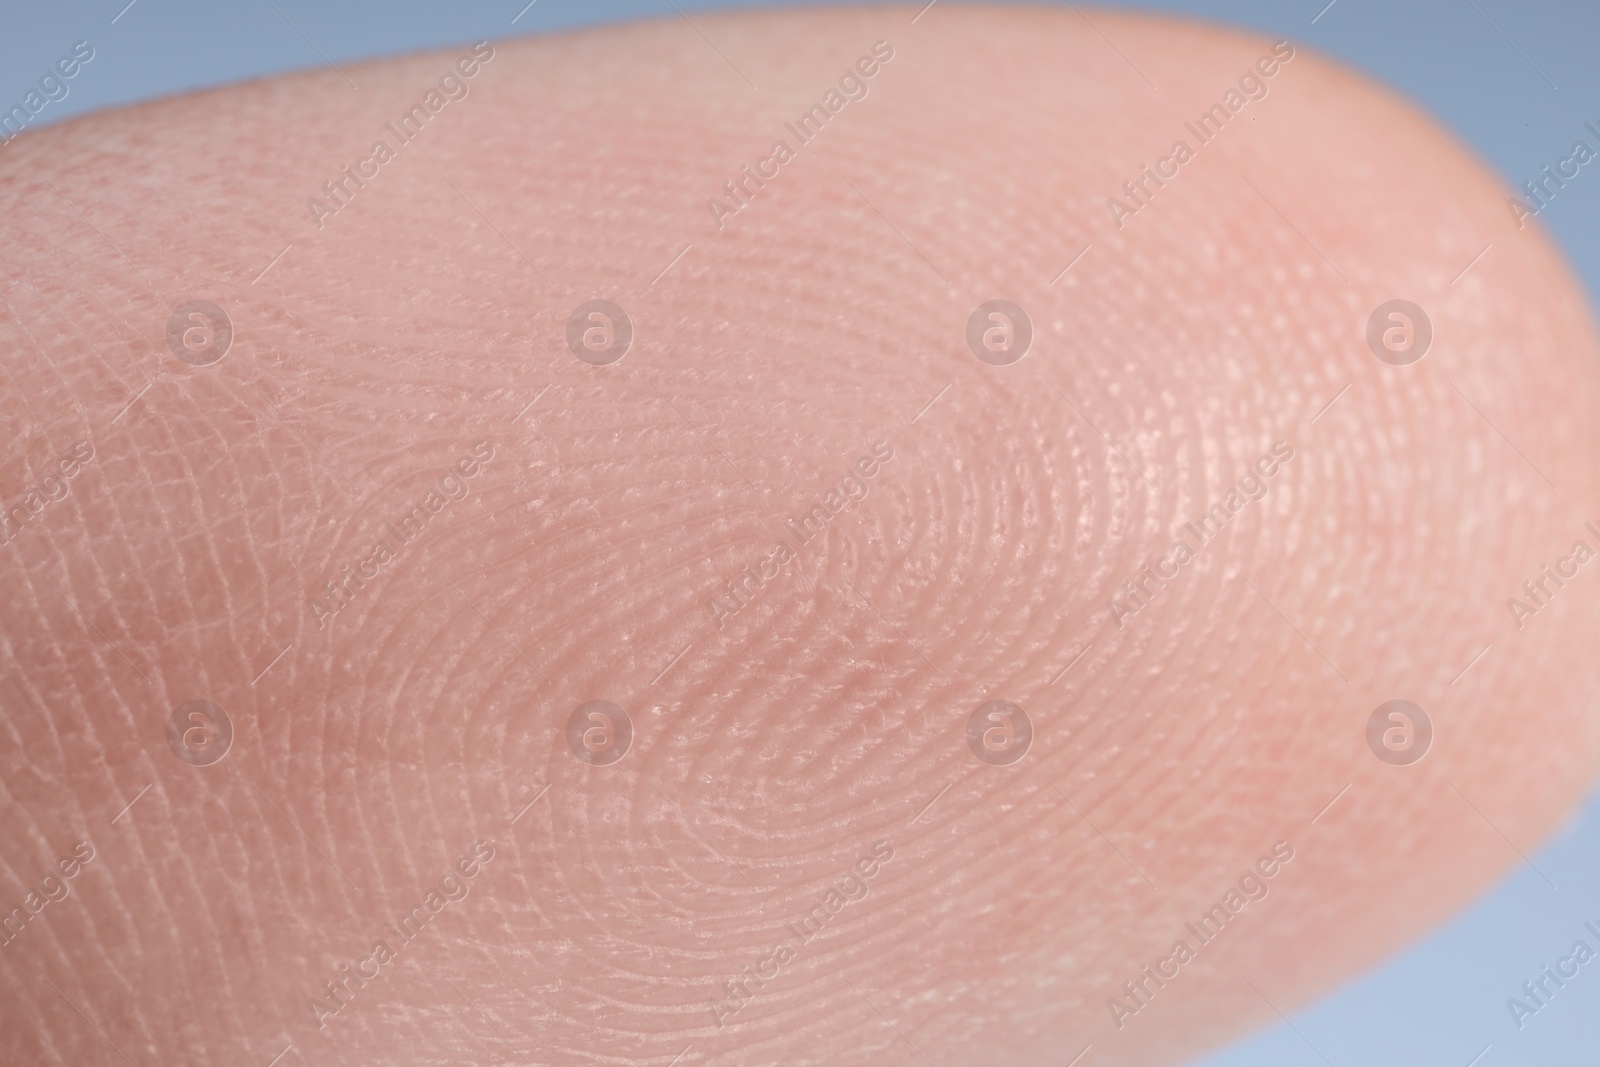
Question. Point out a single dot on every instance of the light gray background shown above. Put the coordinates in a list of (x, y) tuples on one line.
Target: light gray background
[(1515, 80)]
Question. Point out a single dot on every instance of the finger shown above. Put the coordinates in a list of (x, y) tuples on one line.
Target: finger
[(799, 535)]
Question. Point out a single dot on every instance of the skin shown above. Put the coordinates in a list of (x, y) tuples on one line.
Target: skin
[(376, 746)]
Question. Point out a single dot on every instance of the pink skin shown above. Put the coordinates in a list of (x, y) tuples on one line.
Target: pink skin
[(613, 913)]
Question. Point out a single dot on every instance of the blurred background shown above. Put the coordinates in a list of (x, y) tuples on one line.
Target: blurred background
[(1515, 79)]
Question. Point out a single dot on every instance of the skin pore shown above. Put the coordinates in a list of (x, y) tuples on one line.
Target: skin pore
[(413, 520)]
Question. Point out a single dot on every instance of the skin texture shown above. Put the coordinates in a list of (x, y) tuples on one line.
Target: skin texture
[(773, 746)]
